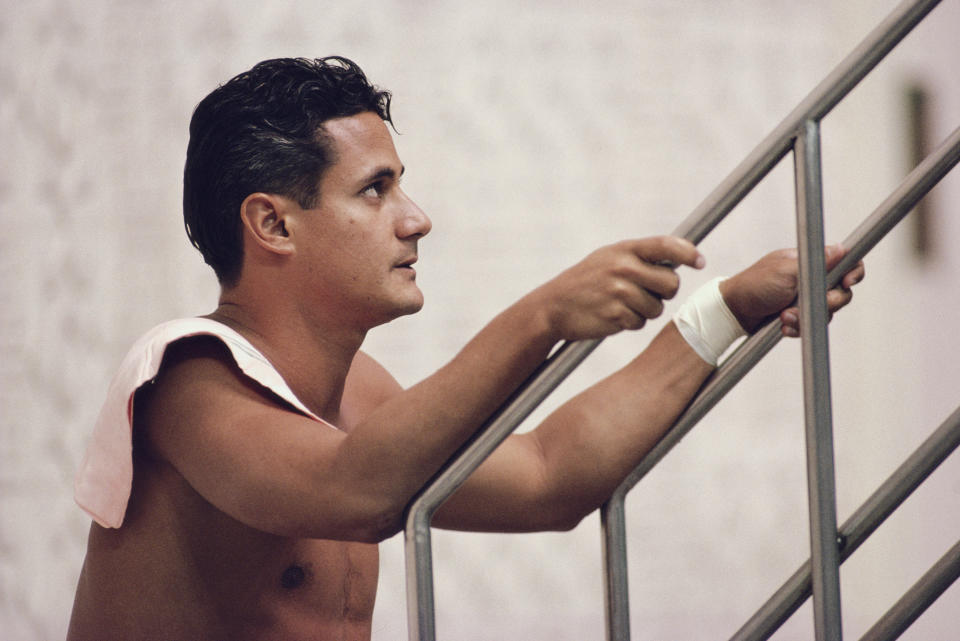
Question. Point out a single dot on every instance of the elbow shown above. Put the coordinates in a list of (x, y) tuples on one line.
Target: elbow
[(569, 520), (367, 521), (568, 510), (383, 527), (382, 519), (364, 530), (551, 516)]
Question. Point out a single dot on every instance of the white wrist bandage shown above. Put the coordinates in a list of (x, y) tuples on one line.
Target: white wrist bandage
[(707, 324)]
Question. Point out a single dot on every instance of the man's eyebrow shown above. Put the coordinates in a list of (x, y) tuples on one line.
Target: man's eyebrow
[(384, 172)]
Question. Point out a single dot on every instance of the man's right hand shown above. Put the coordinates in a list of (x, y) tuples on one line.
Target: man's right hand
[(617, 287)]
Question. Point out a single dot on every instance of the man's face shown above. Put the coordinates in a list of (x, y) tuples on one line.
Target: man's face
[(361, 238)]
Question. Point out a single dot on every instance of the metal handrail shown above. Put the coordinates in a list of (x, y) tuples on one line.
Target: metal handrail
[(859, 242), (918, 598), (420, 602), (419, 513), (797, 131), (818, 103), (856, 529)]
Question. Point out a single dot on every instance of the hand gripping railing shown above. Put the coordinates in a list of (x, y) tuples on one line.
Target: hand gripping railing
[(733, 369), (800, 132)]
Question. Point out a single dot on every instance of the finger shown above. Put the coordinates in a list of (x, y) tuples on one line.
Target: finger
[(635, 277), (833, 255), (617, 315), (790, 332), (667, 249), (790, 321), (630, 320), (837, 298), (854, 276), (659, 281), (644, 303)]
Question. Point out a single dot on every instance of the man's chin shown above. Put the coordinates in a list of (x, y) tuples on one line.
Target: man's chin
[(405, 308), (413, 306)]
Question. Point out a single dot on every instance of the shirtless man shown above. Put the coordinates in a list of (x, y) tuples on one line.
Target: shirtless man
[(250, 516)]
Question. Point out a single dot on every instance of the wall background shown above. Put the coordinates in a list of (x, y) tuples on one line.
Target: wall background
[(532, 133)]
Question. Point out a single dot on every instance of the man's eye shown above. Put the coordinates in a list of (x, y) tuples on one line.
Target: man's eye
[(373, 191)]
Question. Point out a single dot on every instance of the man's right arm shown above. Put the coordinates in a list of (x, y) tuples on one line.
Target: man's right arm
[(280, 472)]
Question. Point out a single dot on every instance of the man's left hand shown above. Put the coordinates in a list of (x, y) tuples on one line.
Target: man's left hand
[(766, 288)]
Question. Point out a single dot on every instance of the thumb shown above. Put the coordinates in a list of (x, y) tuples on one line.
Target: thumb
[(670, 250)]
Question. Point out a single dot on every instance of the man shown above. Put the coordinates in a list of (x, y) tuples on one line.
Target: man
[(270, 455)]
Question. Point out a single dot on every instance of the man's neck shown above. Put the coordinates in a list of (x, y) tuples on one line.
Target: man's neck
[(312, 354)]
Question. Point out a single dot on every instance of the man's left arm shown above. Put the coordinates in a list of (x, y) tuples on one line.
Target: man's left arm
[(553, 476)]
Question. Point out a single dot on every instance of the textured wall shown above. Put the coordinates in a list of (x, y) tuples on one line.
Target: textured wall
[(532, 133)]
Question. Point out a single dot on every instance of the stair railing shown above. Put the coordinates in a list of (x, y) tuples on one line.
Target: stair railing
[(799, 132)]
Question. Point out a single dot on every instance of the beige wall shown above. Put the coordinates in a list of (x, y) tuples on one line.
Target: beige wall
[(532, 132)]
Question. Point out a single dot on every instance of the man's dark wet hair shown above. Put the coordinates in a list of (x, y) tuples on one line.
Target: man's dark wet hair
[(261, 132)]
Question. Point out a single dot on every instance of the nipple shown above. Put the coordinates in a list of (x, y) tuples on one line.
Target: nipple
[(292, 577)]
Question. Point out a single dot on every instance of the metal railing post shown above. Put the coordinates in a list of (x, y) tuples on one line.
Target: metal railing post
[(818, 103), (816, 386), (421, 621), (858, 527), (616, 592), (420, 600), (709, 213), (858, 243)]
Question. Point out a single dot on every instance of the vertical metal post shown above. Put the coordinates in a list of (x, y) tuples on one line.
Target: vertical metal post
[(616, 597), (420, 603), (816, 385), (819, 429), (421, 618), (721, 201)]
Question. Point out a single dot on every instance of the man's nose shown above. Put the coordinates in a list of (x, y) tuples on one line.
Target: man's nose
[(413, 221)]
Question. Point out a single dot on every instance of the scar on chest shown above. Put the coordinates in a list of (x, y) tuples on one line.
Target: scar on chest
[(293, 577)]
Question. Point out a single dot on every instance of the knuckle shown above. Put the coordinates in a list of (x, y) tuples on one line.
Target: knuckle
[(624, 264), (627, 273), (673, 286), (618, 289)]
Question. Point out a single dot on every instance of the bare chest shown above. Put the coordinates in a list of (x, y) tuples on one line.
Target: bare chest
[(330, 579), (263, 590)]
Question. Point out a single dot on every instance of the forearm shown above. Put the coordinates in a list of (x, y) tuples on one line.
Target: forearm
[(407, 438), (615, 288), (592, 442), (552, 477)]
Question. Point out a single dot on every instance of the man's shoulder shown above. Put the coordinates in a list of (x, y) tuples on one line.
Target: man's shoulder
[(103, 481), (148, 352), (196, 382), (144, 358), (202, 345)]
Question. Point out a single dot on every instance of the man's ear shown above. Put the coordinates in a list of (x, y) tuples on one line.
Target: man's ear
[(263, 218)]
